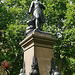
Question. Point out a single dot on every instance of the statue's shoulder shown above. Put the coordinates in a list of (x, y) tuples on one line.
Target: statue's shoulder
[(32, 2)]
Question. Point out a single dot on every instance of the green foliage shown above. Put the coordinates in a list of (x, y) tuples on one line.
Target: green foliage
[(12, 29), (59, 21)]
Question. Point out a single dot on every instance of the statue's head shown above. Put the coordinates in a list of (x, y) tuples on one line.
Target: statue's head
[(37, 0)]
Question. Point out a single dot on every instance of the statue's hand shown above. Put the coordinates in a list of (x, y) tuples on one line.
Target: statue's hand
[(28, 12)]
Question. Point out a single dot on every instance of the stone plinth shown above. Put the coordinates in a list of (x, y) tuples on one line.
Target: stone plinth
[(38, 44)]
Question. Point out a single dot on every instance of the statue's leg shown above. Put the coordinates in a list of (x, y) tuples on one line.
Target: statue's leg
[(37, 23)]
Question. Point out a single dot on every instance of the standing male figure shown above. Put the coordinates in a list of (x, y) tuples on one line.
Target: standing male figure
[(37, 10)]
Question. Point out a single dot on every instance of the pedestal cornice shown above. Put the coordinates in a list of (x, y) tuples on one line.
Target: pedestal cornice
[(38, 37)]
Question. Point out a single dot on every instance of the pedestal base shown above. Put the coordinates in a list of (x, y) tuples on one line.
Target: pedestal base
[(40, 45)]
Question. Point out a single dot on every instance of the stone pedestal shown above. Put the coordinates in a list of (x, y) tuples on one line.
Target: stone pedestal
[(38, 44)]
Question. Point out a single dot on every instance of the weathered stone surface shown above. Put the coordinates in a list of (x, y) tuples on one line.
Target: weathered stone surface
[(38, 44)]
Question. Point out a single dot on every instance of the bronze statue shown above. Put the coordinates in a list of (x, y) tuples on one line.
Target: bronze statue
[(36, 8)]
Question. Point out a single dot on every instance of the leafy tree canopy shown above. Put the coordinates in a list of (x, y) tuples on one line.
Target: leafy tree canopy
[(59, 21)]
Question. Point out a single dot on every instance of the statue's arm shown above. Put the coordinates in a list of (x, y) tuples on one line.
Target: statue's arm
[(42, 6), (31, 6)]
